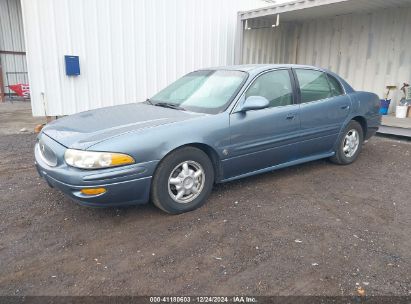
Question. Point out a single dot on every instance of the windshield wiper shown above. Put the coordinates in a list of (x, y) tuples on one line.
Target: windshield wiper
[(169, 105), (149, 101)]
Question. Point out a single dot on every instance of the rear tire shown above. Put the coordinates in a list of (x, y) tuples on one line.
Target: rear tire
[(183, 181), (350, 144)]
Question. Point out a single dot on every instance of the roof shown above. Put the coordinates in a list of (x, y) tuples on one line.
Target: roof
[(312, 9), (256, 68)]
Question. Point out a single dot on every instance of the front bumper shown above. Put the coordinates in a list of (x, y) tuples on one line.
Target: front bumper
[(128, 185)]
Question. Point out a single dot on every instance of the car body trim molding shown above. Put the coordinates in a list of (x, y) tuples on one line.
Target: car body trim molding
[(122, 171), (280, 166)]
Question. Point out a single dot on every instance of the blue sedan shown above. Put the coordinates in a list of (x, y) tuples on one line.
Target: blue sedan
[(211, 126)]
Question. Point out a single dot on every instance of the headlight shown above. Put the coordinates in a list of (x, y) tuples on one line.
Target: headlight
[(96, 160)]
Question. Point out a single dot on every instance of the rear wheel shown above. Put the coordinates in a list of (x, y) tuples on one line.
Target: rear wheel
[(350, 144), (183, 181)]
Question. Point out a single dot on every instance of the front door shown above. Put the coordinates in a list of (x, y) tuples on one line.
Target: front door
[(264, 138), (324, 109)]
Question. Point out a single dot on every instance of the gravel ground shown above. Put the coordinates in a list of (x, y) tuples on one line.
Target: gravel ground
[(313, 229)]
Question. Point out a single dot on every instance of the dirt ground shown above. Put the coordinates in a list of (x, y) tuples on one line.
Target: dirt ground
[(313, 229)]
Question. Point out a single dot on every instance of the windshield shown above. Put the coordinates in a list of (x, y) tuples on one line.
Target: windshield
[(201, 91)]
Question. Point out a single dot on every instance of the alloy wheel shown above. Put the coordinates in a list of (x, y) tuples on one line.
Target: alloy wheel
[(351, 143), (186, 182)]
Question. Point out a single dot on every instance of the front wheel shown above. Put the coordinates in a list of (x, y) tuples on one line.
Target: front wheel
[(183, 181), (349, 145)]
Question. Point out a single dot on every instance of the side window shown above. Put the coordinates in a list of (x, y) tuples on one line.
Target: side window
[(313, 85), (335, 85), (275, 86)]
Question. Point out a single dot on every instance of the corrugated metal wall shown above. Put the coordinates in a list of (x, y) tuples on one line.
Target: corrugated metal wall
[(12, 40), (370, 51), (128, 49)]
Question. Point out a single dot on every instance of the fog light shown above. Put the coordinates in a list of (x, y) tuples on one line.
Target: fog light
[(95, 191)]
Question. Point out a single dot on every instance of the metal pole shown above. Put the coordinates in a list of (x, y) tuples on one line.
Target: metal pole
[(297, 42), (2, 89), (238, 45)]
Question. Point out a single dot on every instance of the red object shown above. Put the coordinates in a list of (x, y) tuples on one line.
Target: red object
[(22, 90)]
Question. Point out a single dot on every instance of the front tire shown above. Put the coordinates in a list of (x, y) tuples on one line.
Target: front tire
[(349, 145), (183, 181)]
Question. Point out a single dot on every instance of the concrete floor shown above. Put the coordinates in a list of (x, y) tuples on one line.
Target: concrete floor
[(395, 126), (392, 121), (16, 116)]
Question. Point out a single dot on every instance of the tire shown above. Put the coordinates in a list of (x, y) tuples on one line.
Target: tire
[(172, 177), (342, 155)]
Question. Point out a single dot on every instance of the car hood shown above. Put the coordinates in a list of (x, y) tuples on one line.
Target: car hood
[(82, 130)]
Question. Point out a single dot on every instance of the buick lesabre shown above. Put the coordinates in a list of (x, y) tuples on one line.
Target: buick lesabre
[(211, 126)]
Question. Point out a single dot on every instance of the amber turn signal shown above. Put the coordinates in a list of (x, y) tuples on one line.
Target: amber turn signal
[(93, 191), (121, 159), (38, 128)]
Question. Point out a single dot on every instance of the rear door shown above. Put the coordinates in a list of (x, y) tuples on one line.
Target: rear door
[(324, 107), (267, 137)]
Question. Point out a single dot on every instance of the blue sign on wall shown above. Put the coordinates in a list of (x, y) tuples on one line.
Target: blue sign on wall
[(72, 65)]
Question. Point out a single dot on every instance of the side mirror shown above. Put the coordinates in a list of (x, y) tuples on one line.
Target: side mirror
[(254, 103)]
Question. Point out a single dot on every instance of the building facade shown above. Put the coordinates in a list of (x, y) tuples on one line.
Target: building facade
[(367, 42), (13, 68), (127, 49)]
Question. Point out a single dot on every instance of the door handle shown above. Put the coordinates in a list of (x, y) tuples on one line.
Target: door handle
[(346, 107), (291, 116)]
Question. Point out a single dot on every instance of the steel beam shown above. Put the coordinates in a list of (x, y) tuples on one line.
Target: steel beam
[(12, 52)]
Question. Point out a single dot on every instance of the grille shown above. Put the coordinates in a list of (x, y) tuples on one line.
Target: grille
[(47, 154)]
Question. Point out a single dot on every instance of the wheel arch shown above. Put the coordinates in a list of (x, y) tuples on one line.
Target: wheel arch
[(360, 119), (363, 122), (214, 157), (208, 150)]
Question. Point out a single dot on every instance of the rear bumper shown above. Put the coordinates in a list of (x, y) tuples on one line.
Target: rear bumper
[(371, 132), (128, 185), (373, 124)]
